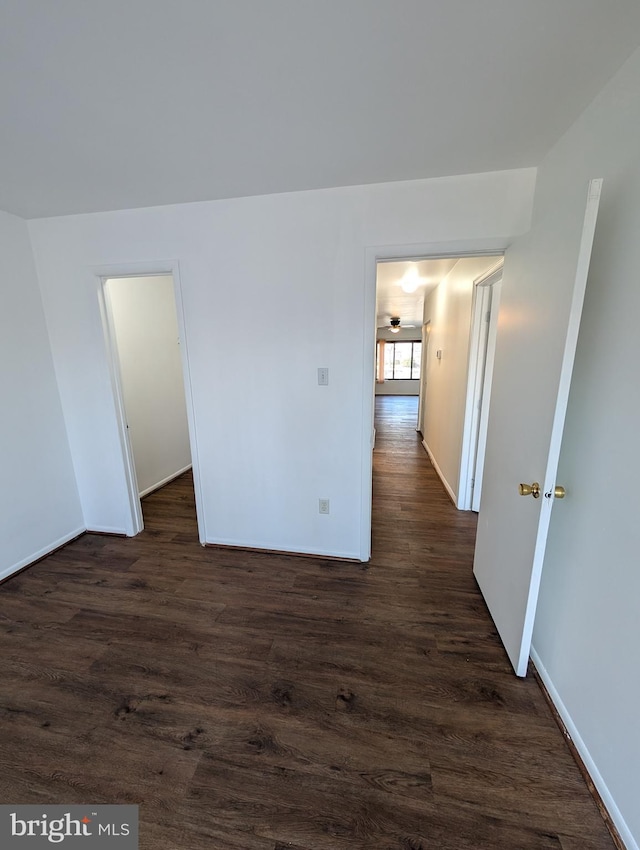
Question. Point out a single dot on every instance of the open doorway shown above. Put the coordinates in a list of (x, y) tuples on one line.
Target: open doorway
[(436, 320), (482, 346), (143, 333)]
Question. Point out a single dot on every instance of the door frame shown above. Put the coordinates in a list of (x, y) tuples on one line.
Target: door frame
[(374, 254), (135, 522), (482, 342), (483, 426), (426, 331)]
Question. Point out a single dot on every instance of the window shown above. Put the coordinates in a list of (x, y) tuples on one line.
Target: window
[(401, 360)]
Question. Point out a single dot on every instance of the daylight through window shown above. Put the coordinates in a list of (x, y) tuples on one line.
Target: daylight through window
[(401, 360)]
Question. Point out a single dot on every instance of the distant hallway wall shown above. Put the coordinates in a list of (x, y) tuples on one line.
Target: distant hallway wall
[(146, 330)]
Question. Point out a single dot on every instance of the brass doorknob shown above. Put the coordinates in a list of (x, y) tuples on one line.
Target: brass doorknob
[(558, 492), (530, 490)]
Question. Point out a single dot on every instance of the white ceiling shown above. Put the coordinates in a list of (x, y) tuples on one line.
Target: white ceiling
[(110, 104), (392, 300)]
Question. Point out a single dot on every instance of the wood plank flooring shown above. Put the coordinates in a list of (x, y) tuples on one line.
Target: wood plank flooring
[(249, 701)]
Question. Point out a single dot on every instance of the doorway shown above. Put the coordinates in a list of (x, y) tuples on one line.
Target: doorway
[(482, 346), (438, 307), (149, 386)]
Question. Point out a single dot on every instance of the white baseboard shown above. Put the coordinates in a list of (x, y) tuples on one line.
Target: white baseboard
[(164, 481), (447, 486), (268, 546), (107, 529), (585, 755), (35, 556)]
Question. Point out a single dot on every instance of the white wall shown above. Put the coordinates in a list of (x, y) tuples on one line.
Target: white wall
[(270, 446), (408, 387), (398, 388), (39, 504), (448, 309), (587, 631), (145, 324)]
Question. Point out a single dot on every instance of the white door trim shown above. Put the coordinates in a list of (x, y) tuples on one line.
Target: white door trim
[(147, 269), (483, 426), (426, 330), (135, 522), (482, 311)]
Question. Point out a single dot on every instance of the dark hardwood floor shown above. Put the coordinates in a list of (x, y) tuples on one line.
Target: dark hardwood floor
[(250, 701)]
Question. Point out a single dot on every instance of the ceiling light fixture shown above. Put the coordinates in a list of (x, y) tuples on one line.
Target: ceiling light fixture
[(410, 280), (394, 324)]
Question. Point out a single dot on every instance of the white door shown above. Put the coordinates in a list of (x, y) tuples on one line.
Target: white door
[(545, 275), (483, 424)]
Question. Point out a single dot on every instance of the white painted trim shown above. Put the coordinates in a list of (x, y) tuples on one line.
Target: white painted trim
[(165, 481), (191, 415), (146, 269), (483, 427), (135, 521), (585, 755), (267, 546), (368, 401), (482, 344), (434, 462), (478, 336), (373, 255), (41, 553), (455, 249), (493, 275), (422, 392), (108, 529)]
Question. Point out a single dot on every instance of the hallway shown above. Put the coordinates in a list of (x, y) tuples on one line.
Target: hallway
[(412, 513), (254, 701)]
